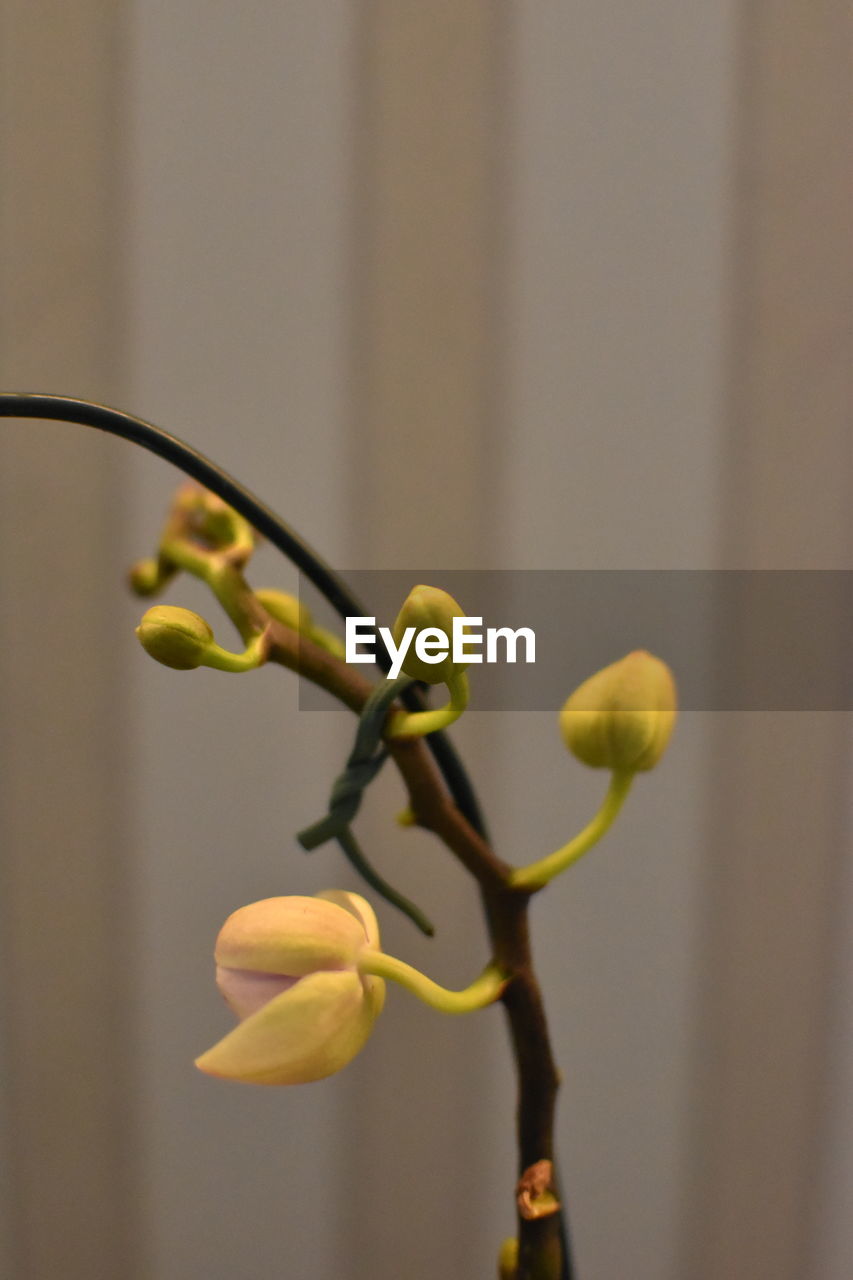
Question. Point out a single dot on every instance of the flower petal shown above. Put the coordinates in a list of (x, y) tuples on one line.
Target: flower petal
[(245, 991), (292, 935), (306, 1033), (358, 907), (364, 913)]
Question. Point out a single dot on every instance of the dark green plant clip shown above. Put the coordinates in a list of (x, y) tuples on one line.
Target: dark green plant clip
[(367, 757)]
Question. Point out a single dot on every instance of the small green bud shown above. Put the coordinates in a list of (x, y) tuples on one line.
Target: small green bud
[(508, 1259), (286, 608), (622, 717), (147, 577), (176, 637), (429, 608), (214, 521), (293, 613), (219, 523)]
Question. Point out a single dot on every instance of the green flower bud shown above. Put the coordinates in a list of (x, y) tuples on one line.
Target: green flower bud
[(508, 1259), (176, 637), (219, 523), (286, 608), (622, 717), (147, 577), (293, 613), (429, 608), (214, 521)]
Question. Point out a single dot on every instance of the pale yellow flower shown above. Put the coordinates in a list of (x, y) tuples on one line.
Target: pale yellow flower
[(288, 967)]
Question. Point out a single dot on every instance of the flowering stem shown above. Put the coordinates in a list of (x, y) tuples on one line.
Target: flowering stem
[(116, 422), (425, 766), (254, 655), (415, 724), (538, 874), (483, 991)]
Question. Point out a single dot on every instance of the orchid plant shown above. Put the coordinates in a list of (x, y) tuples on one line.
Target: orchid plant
[(305, 976)]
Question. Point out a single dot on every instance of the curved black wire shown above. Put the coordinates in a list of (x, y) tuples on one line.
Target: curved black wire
[(118, 423)]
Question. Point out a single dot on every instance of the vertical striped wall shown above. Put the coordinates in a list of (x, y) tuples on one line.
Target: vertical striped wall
[(447, 284), (68, 1151)]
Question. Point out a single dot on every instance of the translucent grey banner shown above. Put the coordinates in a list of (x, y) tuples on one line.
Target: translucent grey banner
[(736, 640)]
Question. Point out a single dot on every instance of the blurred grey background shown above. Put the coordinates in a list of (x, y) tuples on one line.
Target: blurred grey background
[(459, 285)]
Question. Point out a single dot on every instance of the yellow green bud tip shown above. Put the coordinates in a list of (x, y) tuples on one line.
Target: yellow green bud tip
[(508, 1259), (176, 637), (286, 608), (215, 521), (429, 609), (293, 613), (148, 576), (622, 717), (183, 640)]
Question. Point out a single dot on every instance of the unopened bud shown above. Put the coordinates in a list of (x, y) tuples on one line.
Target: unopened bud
[(293, 613), (622, 717), (147, 577), (219, 523), (176, 637), (429, 609), (288, 967), (286, 608), (214, 520), (508, 1259)]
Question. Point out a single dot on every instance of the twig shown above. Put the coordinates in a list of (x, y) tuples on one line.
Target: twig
[(440, 796)]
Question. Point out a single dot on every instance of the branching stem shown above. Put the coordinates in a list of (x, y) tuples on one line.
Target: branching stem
[(543, 1243), (440, 795)]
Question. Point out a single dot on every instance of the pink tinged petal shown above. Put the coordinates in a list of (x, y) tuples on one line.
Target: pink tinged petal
[(245, 992), (306, 1033), (292, 935)]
